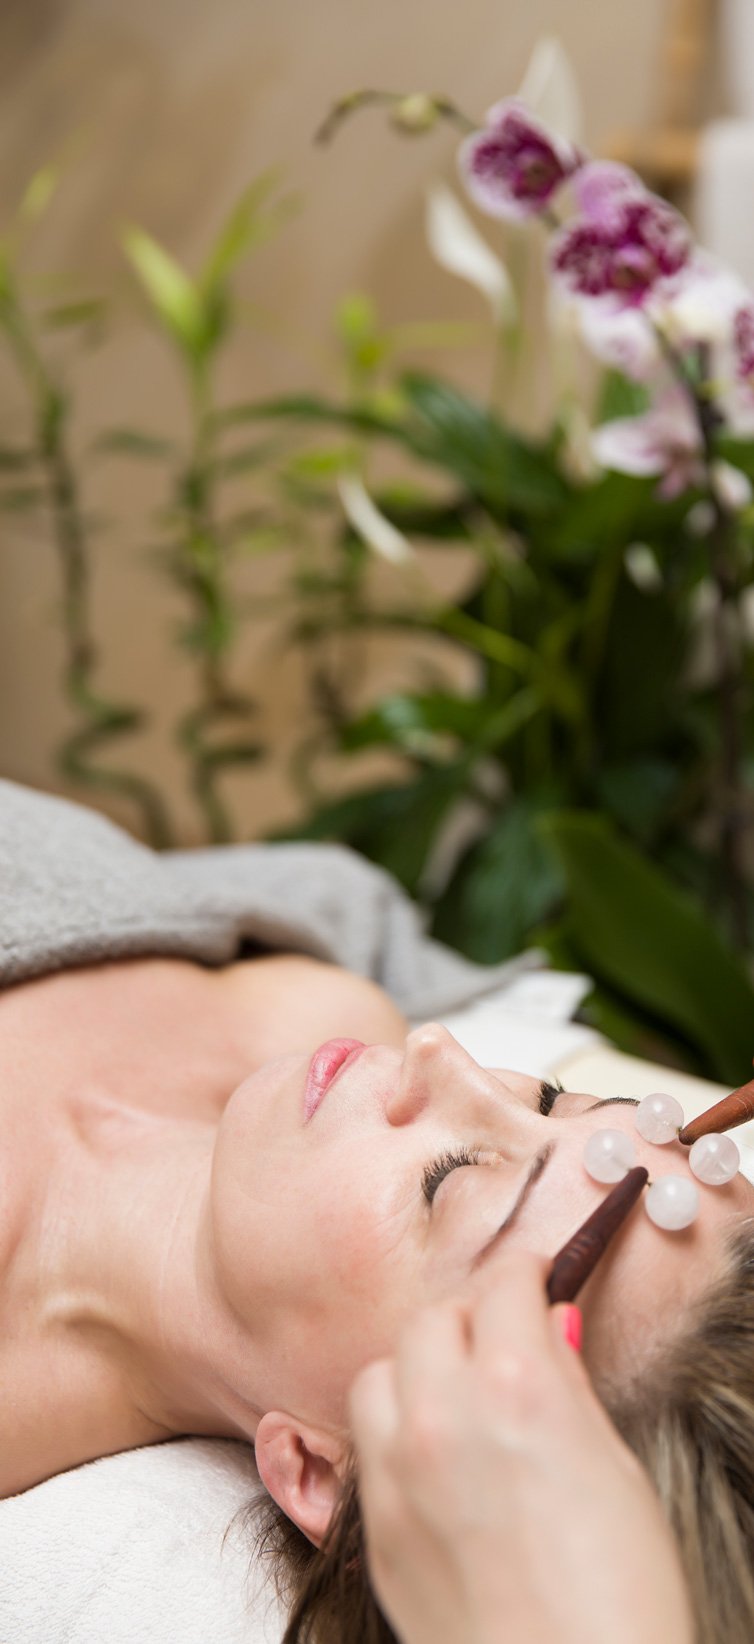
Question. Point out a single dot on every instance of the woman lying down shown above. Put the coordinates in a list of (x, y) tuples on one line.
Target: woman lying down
[(342, 1255)]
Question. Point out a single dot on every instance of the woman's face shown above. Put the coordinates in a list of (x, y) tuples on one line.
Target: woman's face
[(325, 1241)]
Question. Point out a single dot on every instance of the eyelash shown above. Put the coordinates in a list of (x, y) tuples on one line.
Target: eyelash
[(442, 1166), (548, 1095)]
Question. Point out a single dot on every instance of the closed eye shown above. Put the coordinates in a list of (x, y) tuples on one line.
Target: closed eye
[(456, 1159), (441, 1167), (548, 1095)]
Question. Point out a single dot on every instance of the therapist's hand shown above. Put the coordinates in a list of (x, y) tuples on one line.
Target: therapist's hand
[(500, 1506)]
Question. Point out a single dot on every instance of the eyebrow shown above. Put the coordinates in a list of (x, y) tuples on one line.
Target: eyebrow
[(537, 1166), (535, 1171), (609, 1101)]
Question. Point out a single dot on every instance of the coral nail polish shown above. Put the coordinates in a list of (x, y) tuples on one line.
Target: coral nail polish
[(571, 1323)]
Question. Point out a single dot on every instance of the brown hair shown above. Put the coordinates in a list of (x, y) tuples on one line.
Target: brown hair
[(690, 1420)]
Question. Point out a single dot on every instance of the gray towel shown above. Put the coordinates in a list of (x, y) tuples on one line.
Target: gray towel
[(76, 889)]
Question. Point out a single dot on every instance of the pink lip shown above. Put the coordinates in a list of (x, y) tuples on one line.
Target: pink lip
[(328, 1060)]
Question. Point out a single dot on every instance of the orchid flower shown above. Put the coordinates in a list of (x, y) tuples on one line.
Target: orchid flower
[(743, 339), (513, 168), (627, 243), (667, 440)]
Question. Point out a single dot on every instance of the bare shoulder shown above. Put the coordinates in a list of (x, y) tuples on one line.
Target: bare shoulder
[(292, 993)]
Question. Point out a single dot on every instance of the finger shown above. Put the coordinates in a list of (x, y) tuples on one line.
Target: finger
[(373, 1409), (511, 1310), (568, 1325), (432, 1356)]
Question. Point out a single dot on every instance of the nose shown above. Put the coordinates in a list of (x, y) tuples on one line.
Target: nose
[(438, 1074)]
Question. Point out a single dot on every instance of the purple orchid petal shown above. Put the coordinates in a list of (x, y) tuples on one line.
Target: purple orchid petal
[(513, 167), (582, 254), (743, 341), (602, 188), (636, 246)]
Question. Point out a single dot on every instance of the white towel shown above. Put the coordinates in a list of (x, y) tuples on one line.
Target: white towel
[(128, 1550)]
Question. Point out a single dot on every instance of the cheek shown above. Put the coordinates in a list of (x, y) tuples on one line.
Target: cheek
[(344, 1302)]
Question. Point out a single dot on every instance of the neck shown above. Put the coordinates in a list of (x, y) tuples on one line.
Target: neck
[(127, 1270)]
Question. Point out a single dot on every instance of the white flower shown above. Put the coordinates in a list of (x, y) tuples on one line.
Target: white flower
[(369, 523), (665, 440), (550, 88), (641, 565), (622, 338), (703, 305), (731, 487), (458, 246)]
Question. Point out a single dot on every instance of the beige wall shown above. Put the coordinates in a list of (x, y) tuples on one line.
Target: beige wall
[(168, 107)]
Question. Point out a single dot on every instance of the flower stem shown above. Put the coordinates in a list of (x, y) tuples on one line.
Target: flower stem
[(732, 807), (733, 817)]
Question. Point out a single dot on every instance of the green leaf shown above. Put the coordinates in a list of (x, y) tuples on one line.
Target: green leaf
[(245, 460), (306, 408), (233, 753), (646, 938), (464, 437), (418, 514), (22, 499), (402, 720), (637, 794), (502, 887), (409, 722), (134, 442), (14, 460), (739, 452), (38, 193), (358, 328), (631, 1029), (245, 227), (394, 826), (620, 397), (170, 290), (66, 315), (355, 318), (594, 518), (322, 464), (638, 690)]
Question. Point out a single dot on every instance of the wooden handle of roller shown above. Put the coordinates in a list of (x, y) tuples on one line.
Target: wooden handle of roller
[(733, 1110), (576, 1261)]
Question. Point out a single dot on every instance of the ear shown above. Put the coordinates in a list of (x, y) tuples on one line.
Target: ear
[(299, 1466)]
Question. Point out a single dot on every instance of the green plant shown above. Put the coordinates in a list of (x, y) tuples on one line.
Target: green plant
[(588, 790), (196, 315), (594, 749), (41, 479)]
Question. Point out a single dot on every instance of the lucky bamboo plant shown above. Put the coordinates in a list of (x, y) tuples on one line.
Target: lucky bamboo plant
[(40, 482)]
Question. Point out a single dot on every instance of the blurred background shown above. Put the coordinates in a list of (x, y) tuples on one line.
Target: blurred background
[(304, 529), (159, 113)]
